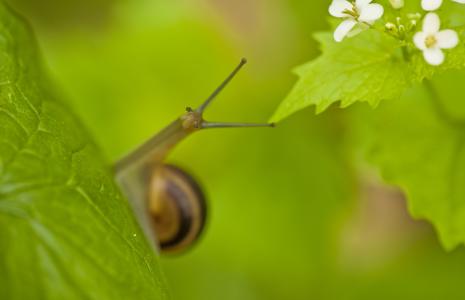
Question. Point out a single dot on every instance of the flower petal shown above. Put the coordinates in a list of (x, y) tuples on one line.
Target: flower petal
[(361, 3), (337, 8), (459, 1), (433, 56), (371, 12), (447, 39), (419, 40), (431, 23), (343, 29), (430, 5), (357, 29), (397, 4)]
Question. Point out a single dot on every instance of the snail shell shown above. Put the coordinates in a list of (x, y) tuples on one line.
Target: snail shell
[(176, 207)]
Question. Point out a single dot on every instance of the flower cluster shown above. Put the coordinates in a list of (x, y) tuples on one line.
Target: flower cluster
[(358, 15)]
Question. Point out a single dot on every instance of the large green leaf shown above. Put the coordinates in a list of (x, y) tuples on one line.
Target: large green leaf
[(65, 230), (425, 154), (368, 68)]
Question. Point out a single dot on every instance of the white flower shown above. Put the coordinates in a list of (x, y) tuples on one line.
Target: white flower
[(431, 5), (431, 40), (353, 13)]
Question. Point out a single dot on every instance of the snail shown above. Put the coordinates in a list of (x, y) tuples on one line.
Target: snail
[(167, 201)]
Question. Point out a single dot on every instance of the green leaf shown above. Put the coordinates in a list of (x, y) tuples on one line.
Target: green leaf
[(369, 67), (418, 142), (65, 230)]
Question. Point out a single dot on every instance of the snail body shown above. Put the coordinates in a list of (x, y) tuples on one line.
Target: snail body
[(168, 203)]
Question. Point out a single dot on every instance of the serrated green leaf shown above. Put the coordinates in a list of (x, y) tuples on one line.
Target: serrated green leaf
[(368, 67), (419, 145), (65, 230)]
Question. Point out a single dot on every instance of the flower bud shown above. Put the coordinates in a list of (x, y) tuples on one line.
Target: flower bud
[(390, 27), (397, 4)]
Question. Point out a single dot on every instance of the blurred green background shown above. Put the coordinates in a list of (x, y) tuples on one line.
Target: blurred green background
[(295, 213)]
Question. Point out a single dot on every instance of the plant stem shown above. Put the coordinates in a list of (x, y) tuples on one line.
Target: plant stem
[(405, 53), (439, 108)]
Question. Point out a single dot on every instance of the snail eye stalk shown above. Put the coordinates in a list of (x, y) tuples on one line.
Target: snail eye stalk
[(206, 125), (218, 90), (201, 109)]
